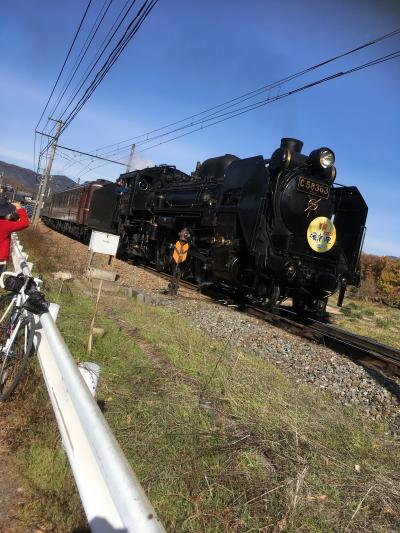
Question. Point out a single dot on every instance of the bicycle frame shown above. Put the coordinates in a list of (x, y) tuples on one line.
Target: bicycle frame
[(19, 317)]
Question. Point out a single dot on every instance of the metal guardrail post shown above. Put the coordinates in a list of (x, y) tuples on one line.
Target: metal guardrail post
[(111, 494)]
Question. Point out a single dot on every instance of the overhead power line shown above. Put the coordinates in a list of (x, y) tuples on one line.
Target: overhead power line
[(252, 94), (246, 109), (65, 61), (123, 41), (55, 85), (131, 30), (95, 28), (102, 49), (79, 151)]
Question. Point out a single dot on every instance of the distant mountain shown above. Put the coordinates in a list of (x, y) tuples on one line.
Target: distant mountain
[(25, 179)]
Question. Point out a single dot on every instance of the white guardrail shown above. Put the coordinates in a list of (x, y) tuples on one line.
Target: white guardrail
[(111, 495)]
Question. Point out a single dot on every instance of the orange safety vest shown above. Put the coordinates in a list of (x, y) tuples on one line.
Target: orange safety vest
[(180, 252)]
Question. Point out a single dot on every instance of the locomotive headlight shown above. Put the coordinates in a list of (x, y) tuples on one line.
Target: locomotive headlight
[(322, 158), (326, 158)]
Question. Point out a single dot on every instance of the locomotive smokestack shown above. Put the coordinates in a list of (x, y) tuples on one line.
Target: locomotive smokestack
[(294, 145)]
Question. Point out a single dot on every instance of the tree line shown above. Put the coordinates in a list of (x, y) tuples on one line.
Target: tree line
[(380, 279)]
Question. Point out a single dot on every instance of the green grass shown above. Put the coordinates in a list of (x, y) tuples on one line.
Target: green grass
[(221, 440), (51, 499), (241, 451), (288, 429), (374, 320), (357, 310)]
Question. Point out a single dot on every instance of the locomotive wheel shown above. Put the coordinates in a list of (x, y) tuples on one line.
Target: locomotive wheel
[(162, 257), (199, 272), (273, 296), (123, 244), (314, 308)]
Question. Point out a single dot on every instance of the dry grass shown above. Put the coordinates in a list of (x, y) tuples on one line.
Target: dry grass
[(221, 440), (303, 445), (51, 500), (374, 320)]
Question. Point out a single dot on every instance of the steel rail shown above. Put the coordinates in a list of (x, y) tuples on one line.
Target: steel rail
[(365, 344), (358, 347)]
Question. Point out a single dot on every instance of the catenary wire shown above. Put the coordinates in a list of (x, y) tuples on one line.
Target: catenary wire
[(65, 61), (255, 92), (255, 105), (95, 28), (222, 117), (118, 48), (79, 151), (261, 103)]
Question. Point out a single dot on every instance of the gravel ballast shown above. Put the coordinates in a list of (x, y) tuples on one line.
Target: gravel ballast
[(305, 361)]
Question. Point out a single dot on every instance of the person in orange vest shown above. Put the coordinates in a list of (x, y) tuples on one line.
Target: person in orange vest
[(179, 256)]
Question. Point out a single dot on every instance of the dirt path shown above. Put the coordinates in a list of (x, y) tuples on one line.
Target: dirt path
[(71, 255), (11, 495)]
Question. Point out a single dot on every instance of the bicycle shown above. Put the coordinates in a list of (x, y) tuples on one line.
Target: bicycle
[(17, 327)]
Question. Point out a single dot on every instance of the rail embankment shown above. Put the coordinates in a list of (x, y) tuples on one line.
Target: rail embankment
[(221, 438)]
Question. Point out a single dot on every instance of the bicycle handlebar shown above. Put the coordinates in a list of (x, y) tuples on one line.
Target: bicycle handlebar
[(6, 274)]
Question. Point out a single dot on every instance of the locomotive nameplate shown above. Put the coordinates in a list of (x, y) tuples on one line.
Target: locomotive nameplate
[(321, 190)]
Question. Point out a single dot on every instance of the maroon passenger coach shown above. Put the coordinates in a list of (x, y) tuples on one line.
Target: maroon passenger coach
[(67, 211)]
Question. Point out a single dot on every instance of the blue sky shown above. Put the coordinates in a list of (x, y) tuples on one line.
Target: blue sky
[(192, 55)]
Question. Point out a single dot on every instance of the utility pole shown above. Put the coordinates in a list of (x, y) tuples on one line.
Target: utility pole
[(44, 182)]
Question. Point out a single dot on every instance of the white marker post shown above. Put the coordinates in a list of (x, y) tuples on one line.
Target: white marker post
[(103, 243), (101, 275), (106, 244)]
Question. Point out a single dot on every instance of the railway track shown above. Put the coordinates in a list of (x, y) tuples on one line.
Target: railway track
[(364, 350)]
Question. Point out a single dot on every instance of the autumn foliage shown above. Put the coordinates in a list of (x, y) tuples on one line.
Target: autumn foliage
[(380, 279)]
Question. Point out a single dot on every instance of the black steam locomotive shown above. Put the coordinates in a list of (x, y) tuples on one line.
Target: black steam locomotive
[(266, 228)]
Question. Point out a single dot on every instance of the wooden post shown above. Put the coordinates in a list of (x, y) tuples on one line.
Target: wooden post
[(63, 276), (89, 348), (91, 255)]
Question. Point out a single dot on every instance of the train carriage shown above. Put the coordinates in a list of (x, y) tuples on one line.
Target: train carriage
[(67, 211)]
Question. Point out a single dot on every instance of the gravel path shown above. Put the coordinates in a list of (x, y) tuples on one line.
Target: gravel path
[(305, 361)]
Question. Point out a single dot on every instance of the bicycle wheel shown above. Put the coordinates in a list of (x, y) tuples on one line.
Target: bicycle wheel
[(13, 363), (5, 299)]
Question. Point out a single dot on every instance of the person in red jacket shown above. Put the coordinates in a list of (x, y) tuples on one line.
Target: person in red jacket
[(12, 218)]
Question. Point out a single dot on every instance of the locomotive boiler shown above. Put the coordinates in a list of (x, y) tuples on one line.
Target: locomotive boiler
[(267, 229)]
